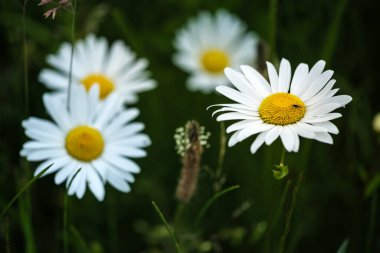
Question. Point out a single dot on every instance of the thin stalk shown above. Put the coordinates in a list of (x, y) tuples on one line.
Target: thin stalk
[(211, 201), (171, 233), (178, 214), (372, 222), (112, 223), (74, 4), (289, 214), (21, 191), (272, 27), (25, 55), (282, 161), (222, 152), (6, 233), (66, 215)]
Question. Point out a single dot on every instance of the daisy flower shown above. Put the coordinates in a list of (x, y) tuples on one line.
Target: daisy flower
[(99, 143), (284, 107), (208, 44), (114, 69)]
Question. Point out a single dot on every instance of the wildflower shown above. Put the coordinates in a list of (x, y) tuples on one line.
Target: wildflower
[(114, 69), (190, 141), (97, 138), (208, 44), (53, 11), (286, 107)]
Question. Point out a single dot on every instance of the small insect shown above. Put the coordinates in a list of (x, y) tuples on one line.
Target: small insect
[(296, 106)]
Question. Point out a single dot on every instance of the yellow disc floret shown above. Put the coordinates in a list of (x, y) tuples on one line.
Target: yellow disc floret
[(106, 86), (214, 61), (282, 109), (84, 143)]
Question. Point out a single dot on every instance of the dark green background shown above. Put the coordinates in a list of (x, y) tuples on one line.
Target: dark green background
[(332, 204)]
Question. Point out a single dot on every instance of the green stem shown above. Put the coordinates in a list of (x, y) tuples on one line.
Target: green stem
[(203, 211), (282, 161), (289, 214), (178, 214), (112, 223), (74, 4), (171, 233), (66, 215), (372, 222), (21, 191), (272, 27)]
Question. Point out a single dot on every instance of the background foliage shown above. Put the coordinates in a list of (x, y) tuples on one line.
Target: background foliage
[(338, 198)]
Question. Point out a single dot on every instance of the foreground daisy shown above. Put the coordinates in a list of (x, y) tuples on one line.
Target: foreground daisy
[(114, 69), (209, 44), (286, 107), (99, 143)]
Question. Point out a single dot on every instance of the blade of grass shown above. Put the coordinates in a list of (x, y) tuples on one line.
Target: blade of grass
[(171, 233), (333, 31), (214, 198), (22, 190), (272, 27), (81, 242)]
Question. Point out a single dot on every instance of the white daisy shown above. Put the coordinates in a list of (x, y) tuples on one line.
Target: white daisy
[(100, 143), (114, 69), (286, 107), (209, 44)]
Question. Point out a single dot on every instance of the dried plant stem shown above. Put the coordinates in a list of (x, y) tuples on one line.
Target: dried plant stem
[(74, 4), (272, 27), (171, 233), (222, 152), (289, 214)]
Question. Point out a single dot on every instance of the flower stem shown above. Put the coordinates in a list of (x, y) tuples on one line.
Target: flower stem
[(171, 233), (272, 27), (25, 53), (289, 214), (74, 4), (372, 222)]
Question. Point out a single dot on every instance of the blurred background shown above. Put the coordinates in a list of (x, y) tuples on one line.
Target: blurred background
[(338, 197)]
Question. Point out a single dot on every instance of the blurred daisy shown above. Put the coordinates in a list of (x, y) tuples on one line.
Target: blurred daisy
[(286, 107), (114, 69), (101, 143), (209, 44), (376, 123)]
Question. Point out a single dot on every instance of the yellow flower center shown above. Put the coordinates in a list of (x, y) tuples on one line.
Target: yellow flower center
[(282, 109), (214, 61), (84, 143), (106, 86)]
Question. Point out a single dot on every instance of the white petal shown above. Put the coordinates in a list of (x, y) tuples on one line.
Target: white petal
[(299, 78), (257, 80), (273, 77), (285, 74), (324, 137), (254, 129), (287, 138), (118, 183), (95, 184), (258, 142), (272, 135)]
